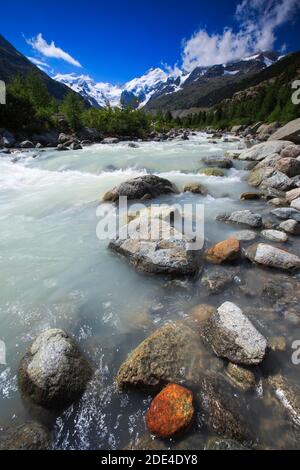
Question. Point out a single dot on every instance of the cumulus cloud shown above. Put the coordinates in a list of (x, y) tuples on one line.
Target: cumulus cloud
[(257, 23), (39, 44)]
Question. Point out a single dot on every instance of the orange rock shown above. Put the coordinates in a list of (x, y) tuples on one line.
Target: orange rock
[(227, 250), (171, 411)]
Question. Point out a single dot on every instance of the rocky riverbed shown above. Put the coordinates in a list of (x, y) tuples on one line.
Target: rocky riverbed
[(161, 348)]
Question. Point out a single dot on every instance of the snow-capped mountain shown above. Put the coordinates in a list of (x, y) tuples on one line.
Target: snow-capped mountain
[(98, 94), (157, 83)]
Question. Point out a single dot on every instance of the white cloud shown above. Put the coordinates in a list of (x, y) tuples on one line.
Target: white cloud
[(38, 62), (50, 50), (257, 24)]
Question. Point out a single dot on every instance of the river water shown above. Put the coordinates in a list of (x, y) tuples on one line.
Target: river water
[(54, 272)]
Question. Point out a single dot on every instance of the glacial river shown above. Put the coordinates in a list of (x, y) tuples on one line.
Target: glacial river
[(54, 272)]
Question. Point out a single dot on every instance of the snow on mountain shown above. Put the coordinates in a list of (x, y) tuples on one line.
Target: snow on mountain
[(98, 94), (157, 82)]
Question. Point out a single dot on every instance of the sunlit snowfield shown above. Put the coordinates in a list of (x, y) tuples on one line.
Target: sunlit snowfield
[(54, 272)]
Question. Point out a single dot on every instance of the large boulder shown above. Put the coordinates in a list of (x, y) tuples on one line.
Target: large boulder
[(149, 186), (170, 253), (171, 411), (53, 373), (232, 336), (266, 130), (261, 151), (244, 217), (170, 355), (29, 436), (272, 257), (290, 131)]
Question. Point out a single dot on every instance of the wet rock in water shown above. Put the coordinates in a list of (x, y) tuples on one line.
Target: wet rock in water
[(257, 176), (271, 290), (277, 344), (195, 188), (146, 442), (286, 213), (27, 144), (288, 166), (244, 217), (53, 373), (217, 443), (272, 257), (222, 409), (212, 172), (295, 204), (274, 236), (132, 145), (110, 140), (290, 226), (261, 151), (277, 180), (29, 436), (75, 146), (245, 235), (293, 194), (232, 336), (218, 162), (290, 131), (250, 196), (225, 251), (278, 202), (241, 377), (171, 411), (170, 254), (288, 395), (199, 315), (138, 188), (292, 151), (170, 355), (217, 279)]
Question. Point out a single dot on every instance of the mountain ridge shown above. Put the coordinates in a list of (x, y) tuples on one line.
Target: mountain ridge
[(157, 88)]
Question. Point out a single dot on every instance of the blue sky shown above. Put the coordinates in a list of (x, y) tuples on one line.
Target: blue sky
[(116, 40)]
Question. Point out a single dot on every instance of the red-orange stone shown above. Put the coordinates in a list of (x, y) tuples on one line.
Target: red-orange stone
[(171, 411), (225, 251)]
